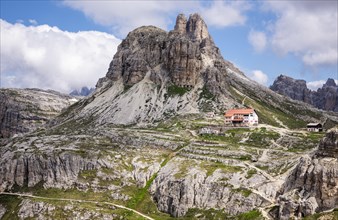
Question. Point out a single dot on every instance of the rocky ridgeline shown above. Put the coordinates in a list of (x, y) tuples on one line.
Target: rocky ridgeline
[(325, 98), (313, 185), (155, 75), (84, 91), (24, 110)]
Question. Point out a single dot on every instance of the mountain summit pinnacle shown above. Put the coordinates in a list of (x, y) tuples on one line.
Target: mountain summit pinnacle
[(195, 27)]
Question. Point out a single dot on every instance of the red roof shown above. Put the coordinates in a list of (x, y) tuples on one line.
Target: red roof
[(245, 111)]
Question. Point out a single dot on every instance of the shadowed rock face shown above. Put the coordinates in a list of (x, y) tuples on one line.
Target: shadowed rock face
[(176, 54), (324, 98), (295, 89)]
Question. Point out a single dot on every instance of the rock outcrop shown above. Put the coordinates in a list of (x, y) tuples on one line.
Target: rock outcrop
[(313, 185), (175, 193), (24, 110), (325, 98), (150, 49)]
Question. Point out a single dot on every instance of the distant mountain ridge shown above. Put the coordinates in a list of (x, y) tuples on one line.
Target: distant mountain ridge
[(325, 98), (84, 91), (24, 110)]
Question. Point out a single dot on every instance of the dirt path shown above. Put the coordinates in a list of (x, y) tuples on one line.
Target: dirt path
[(78, 200)]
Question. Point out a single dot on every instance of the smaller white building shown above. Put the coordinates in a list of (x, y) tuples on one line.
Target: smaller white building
[(314, 127)]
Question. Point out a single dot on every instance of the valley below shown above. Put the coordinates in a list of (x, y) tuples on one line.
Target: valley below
[(164, 172)]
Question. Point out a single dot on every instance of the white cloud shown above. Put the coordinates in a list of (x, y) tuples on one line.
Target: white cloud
[(307, 29), (124, 16), (226, 13), (47, 57), (33, 22), (314, 85), (258, 40), (259, 77)]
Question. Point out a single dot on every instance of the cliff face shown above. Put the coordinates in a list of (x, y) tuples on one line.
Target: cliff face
[(325, 98), (295, 89), (313, 185), (176, 55), (23, 110)]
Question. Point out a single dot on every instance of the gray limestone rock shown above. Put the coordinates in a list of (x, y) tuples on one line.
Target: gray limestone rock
[(36, 210), (324, 98), (24, 110), (2, 211), (313, 184)]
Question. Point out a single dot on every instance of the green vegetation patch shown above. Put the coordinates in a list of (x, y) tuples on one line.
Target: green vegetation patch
[(12, 205), (251, 215), (206, 94), (250, 173), (306, 142), (209, 214), (331, 215), (245, 192), (174, 90), (88, 175), (262, 138), (210, 167)]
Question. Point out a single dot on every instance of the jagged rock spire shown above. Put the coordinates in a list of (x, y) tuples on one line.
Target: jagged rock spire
[(330, 82), (181, 24), (195, 28)]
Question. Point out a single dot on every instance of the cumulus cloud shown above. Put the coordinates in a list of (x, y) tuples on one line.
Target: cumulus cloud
[(307, 29), (124, 16), (49, 58), (314, 85), (226, 13), (258, 40), (259, 77)]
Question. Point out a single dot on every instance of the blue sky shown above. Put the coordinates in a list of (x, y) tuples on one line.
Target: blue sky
[(63, 45)]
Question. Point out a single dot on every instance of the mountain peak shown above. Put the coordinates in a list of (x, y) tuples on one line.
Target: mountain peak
[(181, 24), (195, 27), (330, 82)]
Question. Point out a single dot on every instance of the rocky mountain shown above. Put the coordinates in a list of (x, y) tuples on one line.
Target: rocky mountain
[(131, 149), (24, 110), (325, 98), (313, 185), (157, 74), (84, 91)]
